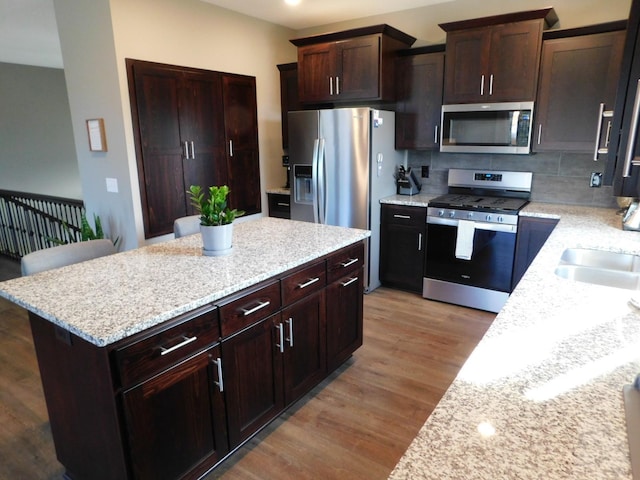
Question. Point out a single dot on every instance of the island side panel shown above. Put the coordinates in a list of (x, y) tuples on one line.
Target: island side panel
[(76, 379)]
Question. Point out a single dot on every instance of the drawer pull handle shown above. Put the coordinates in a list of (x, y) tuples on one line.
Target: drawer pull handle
[(406, 217), (186, 341), (349, 282), (351, 261), (256, 308), (310, 282), (281, 337), (290, 323), (282, 204), (220, 382)]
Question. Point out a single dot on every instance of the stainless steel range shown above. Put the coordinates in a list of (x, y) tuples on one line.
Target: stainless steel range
[(471, 237)]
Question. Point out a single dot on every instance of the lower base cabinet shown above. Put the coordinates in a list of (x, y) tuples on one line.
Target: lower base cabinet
[(168, 437), (532, 234), (403, 235), (172, 402)]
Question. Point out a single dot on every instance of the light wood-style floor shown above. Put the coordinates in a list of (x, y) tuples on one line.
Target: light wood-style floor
[(355, 425)]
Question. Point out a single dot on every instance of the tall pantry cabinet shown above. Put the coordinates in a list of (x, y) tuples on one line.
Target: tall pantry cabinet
[(192, 127)]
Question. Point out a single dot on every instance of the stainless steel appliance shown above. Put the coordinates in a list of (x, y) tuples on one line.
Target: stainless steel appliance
[(487, 127), (471, 237), (342, 163)]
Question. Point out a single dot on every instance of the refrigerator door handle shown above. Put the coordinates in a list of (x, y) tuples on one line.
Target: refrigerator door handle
[(322, 183), (314, 179)]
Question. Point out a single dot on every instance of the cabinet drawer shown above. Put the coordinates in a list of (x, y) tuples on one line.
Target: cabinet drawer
[(401, 215), (159, 351), (303, 282), (279, 205), (345, 261), (248, 308)]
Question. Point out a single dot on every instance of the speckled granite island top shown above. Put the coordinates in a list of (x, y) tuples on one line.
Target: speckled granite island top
[(110, 298), (540, 396)]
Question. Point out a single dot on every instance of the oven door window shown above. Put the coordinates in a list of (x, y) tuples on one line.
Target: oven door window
[(491, 264)]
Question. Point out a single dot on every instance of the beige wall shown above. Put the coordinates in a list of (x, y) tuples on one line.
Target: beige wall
[(422, 23)]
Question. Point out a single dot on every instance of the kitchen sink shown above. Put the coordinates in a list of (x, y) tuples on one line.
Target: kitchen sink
[(600, 267), (601, 259)]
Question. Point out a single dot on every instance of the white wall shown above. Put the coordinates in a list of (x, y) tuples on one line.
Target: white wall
[(36, 139)]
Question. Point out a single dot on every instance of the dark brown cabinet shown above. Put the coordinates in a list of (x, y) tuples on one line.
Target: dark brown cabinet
[(344, 305), (403, 235), (419, 83), (533, 232), (241, 142), (279, 205), (578, 78), (289, 100), (192, 127), (494, 59), (168, 438), (351, 65)]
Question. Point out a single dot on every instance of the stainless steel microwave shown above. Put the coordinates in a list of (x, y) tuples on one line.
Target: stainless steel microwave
[(487, 128)]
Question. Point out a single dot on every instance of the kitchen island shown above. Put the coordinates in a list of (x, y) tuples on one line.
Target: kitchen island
[(160, 362), (541, 395)]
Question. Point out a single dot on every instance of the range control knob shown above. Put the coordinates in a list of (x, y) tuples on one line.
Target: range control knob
[(500, 219), (441, 213), (452, 213), (489, 218), (470, 215)]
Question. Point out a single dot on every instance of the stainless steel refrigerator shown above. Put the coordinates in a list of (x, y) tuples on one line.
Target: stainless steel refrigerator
[(342, 163)]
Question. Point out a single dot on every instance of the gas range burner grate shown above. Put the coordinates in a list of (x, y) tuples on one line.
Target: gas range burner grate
[(474, 202)]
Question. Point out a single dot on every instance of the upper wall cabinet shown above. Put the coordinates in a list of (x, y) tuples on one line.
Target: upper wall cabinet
[(494, 59), (578, 78), (419, 76), (348, 66), (191, 127), (288, 96)]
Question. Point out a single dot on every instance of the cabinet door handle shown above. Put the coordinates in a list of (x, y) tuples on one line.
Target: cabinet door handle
[(491, 84), (435, 135), (310, 282), (349, 262), (186, 150), (633, 132), (290, 323), (231, 148), (281, 337), (249, 311), (185, 341), (419, 242), (349, 282), (539, 133), (482, 85), (337, 85), (193, 150), (330, 85), (220, 382)]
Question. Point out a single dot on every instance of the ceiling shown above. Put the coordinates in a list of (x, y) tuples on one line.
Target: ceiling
[(29, 34)]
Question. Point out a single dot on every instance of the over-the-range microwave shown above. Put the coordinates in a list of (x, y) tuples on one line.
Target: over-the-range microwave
[(487, 127)]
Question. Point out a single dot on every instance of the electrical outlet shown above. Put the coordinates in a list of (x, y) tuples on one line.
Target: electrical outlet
[(596, 179), (425, 171)]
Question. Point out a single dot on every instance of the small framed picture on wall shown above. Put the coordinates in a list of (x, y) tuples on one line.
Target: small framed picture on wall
[(97, 137)]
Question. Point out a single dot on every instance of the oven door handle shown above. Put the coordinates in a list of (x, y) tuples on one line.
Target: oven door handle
[(453, 222)]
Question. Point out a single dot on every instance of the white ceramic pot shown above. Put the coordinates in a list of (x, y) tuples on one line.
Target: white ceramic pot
[(216, 240)]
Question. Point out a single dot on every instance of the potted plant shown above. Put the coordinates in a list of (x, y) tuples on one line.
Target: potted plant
[(216, 218)]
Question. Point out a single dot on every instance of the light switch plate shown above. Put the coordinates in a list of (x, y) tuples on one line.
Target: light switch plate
[(112, 185)]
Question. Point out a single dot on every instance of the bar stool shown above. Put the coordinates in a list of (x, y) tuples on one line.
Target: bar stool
[(63, 255), (186, 225)]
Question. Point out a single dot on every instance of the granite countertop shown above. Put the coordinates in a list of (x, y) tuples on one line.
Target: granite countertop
[(540, 397), (279, 191), (109, 298)]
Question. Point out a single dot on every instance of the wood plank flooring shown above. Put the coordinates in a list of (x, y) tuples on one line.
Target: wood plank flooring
[(355, 425)]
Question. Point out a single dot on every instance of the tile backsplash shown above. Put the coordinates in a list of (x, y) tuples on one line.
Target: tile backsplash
[(558, 177)]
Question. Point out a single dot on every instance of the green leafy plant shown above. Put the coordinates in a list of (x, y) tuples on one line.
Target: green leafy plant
[(212, 208), (86, 232)]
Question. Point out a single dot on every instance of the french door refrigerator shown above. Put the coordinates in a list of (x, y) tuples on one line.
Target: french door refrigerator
[(343, 162)]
